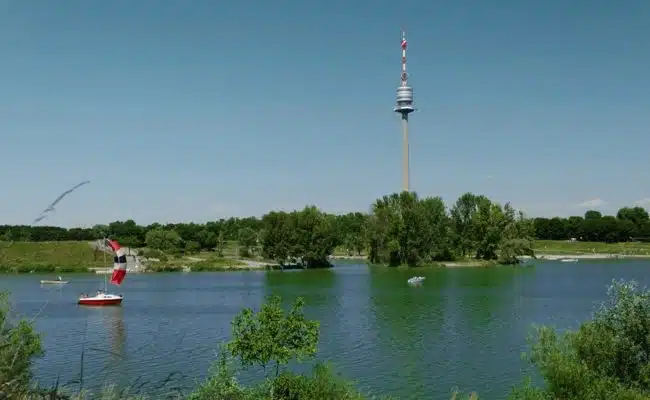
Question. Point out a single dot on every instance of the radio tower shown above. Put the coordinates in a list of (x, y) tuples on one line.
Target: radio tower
[(405, 107)]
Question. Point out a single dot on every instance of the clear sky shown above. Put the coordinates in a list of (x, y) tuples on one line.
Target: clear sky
[(181, 110)]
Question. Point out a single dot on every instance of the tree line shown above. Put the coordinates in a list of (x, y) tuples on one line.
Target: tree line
[(629, 224), (399, 229)]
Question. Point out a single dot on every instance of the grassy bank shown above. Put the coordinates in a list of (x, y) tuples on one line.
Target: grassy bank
[(563, 247), (49, 257), (80, 257), (202, 262)]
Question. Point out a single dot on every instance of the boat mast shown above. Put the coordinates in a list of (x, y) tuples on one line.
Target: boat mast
[(105, 283)]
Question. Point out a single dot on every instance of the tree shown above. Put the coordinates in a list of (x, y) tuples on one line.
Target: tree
[(404, 229), (192, 247), (606, 358), (276, 236), (305, 237), (517, 237), (636, 215), (164, 240), (312, 237), (220, 245), (462, 216), (271, 336), (207, 240), (247, 241), (268, 337), (593, 214), (7, 236), (351, 231)]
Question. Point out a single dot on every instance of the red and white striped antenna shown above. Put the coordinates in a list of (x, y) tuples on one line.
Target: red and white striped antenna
[(404, 45)]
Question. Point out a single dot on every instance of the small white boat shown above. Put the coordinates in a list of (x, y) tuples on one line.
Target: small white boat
[(416, 279), (569, 260), (58, 281)]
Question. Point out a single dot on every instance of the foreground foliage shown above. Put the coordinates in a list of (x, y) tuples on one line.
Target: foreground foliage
[(607, 358), (19, 344)]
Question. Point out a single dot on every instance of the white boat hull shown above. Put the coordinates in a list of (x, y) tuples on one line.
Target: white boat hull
[(416, 280), (101, 299)]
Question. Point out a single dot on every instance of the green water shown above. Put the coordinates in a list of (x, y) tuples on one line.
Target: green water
[(464, 328)]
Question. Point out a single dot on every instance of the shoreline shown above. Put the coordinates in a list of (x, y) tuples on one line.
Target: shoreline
[(251, 265)]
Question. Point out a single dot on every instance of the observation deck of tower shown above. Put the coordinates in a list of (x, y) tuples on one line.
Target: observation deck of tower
[(404, 107)]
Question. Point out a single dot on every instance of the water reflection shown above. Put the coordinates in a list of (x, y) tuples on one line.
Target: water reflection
[(105, 343), (486, 294), (400, 312)]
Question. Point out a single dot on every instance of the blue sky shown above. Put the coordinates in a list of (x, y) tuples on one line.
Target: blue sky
[(196, 110)]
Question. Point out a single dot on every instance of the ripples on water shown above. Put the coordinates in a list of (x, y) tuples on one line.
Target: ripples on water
[(463, 328)]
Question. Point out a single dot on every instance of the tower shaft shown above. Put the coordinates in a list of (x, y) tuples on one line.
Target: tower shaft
[(404, 107), (405, 153)]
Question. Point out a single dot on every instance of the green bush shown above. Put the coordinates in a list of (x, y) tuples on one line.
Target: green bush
[(19, 345), (607, 358), (321, 384)]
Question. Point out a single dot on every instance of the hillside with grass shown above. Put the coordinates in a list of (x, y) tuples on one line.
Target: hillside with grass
[(84, 256), (45, 257)]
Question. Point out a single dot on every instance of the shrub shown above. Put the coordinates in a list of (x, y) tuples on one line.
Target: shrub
[(607, 358), (19, 345)]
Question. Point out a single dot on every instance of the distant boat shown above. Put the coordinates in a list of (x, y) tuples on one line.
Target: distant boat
[(58, 281), (569, 260), (101, 298), (415, 280)]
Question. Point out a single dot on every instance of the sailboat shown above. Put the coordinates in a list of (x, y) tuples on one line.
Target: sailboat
[(102, 298)]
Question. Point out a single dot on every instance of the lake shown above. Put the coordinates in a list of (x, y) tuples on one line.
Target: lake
[(464, 328)]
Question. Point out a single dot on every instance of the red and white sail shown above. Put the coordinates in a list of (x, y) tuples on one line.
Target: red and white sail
[(119, 262)]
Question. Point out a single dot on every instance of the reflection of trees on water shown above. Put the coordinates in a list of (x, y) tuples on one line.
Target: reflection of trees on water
[(485, 294), (440, 335), (409, 322), (484, 310), (339, 298), (315, 286)]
